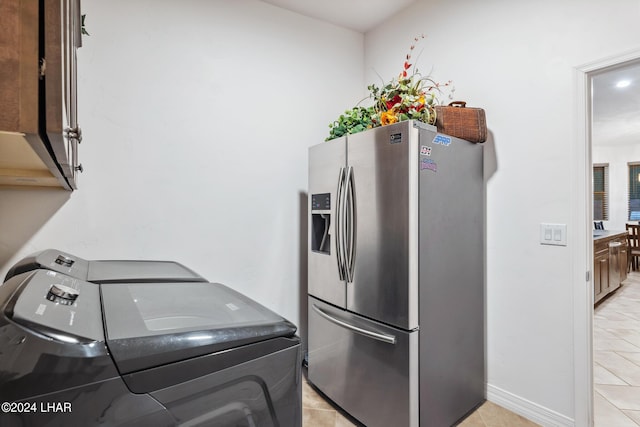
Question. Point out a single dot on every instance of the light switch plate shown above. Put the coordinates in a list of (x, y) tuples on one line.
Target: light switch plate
[(553, 234)]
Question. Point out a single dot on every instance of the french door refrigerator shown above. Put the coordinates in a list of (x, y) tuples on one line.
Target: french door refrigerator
[(396, 275)]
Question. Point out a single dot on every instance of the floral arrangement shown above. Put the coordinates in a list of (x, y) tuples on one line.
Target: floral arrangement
[(409, 96)]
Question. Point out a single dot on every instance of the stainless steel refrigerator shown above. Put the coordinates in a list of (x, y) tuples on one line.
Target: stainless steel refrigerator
[(396, 275)]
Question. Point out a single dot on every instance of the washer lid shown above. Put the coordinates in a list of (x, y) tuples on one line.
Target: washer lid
[(54, 260), (134, 271), (152, 324), (105, 271)]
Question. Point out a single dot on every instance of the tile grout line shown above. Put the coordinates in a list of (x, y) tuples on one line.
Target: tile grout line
[(612, 373), (626, 358), (625, 414)]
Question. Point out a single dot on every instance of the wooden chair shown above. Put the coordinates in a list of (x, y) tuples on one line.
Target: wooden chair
[(633, 239), (598, 225)]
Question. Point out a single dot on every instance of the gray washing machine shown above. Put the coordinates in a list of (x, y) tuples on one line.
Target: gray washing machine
[(105, 271), (143, 354)]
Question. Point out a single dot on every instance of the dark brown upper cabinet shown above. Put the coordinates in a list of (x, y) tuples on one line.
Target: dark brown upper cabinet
[(39, 132)]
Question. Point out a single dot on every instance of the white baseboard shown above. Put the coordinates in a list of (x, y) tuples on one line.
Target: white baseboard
[(532, 411)]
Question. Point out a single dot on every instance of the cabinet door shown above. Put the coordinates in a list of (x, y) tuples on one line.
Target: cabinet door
[(624, 253), (62, 38), (614, 267), (597, 287), (19, 67), (601, 267), (604, 273)]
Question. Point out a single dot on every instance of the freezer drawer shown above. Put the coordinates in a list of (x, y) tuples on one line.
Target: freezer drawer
[(367, 368)]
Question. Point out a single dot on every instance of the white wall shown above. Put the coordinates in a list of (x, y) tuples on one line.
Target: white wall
[(617, 157), (196, 117), (517, 61)]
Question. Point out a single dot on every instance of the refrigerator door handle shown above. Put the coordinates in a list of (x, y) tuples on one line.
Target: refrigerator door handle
[(340, 253), (389, 339), (350, 214)]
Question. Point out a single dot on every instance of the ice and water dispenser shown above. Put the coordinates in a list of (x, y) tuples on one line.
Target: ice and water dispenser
[(321, 222)]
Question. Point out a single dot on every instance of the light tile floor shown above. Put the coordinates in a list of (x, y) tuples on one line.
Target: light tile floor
[(616, 355), (318, 412)]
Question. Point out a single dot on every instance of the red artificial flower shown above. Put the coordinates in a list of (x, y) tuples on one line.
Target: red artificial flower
[(396, 99)]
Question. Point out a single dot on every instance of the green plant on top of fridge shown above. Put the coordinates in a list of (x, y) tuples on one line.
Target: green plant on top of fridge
[(354, 120)]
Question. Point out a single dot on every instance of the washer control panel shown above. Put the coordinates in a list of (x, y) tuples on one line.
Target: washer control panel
[(62, 294), (64, 260), (59, 306)]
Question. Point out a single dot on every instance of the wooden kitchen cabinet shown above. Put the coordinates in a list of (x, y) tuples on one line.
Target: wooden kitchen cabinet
[(624, 254), (610, 251), (600, 274), (39, 133)]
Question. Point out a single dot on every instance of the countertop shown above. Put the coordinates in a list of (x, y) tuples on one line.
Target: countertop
[(604, 234)]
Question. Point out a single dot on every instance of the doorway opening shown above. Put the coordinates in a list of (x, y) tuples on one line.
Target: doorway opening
[(597, 127)]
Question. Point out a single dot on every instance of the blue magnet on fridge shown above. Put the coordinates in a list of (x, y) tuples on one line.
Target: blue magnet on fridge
[(442, 140)]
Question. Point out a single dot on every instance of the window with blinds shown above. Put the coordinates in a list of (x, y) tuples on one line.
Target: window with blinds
[(634, 192), (601, 192)]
